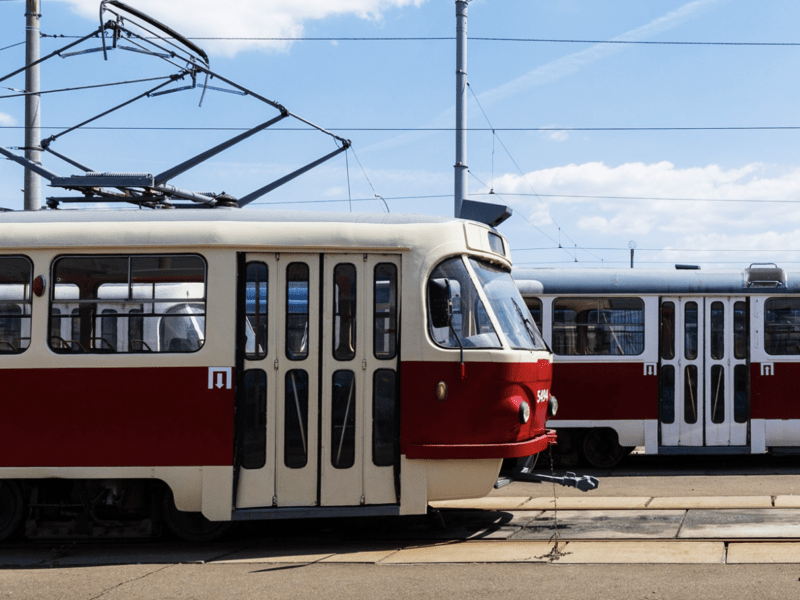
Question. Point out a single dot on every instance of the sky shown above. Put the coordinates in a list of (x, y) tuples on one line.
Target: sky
[(686, 151)]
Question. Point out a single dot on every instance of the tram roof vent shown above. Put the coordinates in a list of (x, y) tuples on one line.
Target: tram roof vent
[(767, 275)]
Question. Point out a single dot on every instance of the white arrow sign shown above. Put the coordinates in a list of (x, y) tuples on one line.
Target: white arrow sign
[(219, 377)]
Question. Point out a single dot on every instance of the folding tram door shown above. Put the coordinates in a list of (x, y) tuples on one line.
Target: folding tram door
[(317, 418), (703, 372)]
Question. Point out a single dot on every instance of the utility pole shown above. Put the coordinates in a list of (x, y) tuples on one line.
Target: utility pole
[(461, 106), (33, 196)]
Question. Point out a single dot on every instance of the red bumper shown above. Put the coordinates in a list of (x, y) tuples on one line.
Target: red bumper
[(474, 451)]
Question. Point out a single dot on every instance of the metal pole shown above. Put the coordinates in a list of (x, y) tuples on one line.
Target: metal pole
[(461, 106), (33, 196)]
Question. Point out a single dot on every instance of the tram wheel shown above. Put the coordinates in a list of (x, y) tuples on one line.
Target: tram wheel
[(601, 448), (191, 526), (10, 509)]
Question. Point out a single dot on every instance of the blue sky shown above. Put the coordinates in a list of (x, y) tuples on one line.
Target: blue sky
[(677, 193)]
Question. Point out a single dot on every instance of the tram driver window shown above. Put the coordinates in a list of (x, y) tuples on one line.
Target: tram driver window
[(782, 326), (15, 304), (470, 326), (598, 326), (122, 304)]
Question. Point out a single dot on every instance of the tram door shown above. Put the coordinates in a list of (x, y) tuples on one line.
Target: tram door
[(703, 372), (316, 395)]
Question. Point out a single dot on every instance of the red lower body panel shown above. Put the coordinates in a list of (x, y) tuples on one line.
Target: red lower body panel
[(604, 391), (114, 418), (774, 393)]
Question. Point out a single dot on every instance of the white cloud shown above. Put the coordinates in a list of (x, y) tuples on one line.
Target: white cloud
[(7, 120), (556, 136), (247, 18), (661, 206)]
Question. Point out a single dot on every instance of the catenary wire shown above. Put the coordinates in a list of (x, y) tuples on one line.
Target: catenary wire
[(475, 39)]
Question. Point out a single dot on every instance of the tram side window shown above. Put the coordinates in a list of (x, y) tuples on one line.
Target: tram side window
[(782, 326), (598, 326), (297, 275), (257, 311), (385, 311), (252, 417), (123, 304), (16, 274), (740, 330), (295, 424), (343, 420), (668, 331), (344, 312)]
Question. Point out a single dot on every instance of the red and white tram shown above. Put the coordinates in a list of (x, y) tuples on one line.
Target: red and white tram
[(681, 361), (210, 366)]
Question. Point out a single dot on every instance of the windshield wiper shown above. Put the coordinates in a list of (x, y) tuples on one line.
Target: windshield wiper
[(526, 323)]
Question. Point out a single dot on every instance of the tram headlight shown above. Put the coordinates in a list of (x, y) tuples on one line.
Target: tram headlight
[(552, 406), (524, 412)]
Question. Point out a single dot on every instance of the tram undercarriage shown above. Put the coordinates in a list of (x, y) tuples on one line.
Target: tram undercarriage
[(96, 509)]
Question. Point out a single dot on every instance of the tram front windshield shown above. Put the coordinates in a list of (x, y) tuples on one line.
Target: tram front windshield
[(509, 307), (469, 323)]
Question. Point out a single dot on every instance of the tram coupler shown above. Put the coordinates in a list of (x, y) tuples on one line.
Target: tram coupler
[(584, 483), (523, 471)]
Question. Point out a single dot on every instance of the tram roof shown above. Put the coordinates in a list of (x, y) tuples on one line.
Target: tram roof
[(534, 281), (224, 227), (215, 215)]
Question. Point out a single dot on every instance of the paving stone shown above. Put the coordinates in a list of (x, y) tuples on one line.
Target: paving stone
[(711, 502), (788, 501), (586, 502), (605, 524), (472, 552), (741, 523), (666, 552), (763, 553)]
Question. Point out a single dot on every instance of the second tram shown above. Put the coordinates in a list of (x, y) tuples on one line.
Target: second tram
[(681, 361)]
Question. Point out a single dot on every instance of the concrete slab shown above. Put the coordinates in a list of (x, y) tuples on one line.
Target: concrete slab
[(787, 501), (743, 553), (586, 503), (619, 553), (473, 552), (604, 524), (711, 502), (741, 523), (372, 556), (488, 503)]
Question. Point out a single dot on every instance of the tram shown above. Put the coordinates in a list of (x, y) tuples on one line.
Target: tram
[(682, 361), (194, 368)]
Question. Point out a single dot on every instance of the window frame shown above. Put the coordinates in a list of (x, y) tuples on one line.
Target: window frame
[(561, 327), (130, 307), (25, 306)]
